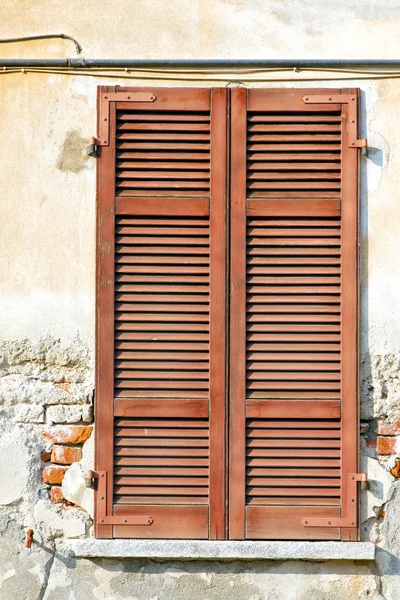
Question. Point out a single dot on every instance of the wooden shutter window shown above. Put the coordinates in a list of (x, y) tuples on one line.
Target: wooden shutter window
[(161, 315), (165, 467), (293, 430)]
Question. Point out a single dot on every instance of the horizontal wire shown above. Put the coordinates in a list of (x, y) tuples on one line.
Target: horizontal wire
[(177, 76)]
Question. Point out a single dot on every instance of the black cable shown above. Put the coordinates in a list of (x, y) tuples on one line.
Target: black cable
[(43, 37)]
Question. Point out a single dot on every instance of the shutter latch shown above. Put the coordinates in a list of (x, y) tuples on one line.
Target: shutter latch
[(350, 511), (351, 102), (102, 517)]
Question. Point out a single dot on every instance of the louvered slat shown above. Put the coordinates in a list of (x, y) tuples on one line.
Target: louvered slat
[(150, 457), (293, 154), (165, 283), (282, 483), (308, 330), (163, 153)]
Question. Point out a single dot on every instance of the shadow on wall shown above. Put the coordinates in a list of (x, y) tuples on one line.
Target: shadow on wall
[(376, 155)]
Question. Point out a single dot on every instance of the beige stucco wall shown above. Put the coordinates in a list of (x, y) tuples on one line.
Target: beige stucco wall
[(47, 266), (48, 186)]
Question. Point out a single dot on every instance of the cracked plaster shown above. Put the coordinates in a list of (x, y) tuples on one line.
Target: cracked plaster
[(47, 246)]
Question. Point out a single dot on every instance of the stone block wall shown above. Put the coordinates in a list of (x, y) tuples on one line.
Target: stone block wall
[(48, 191), (46, 414)]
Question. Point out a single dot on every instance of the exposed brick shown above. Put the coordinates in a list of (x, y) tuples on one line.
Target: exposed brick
[(65, 455), (386, 445), (57, 497), (396, 469), (385, 428), (64, 386), (370, 442), (67, 434), (53, 474), (45, 456), (56, 494)]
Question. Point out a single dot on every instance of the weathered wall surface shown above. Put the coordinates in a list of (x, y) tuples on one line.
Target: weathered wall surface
[(47, 245)]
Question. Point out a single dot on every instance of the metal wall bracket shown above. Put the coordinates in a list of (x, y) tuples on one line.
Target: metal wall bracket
[(102, 517), (91, 149), (350, 520), (104, 110), (351, 102)]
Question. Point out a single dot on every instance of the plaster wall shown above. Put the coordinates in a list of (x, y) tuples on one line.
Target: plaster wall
[(47, 273)]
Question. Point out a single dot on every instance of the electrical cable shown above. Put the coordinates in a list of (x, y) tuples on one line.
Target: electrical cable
[(44, 36), (202, 76)]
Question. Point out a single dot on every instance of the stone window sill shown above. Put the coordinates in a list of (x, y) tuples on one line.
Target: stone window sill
[(218, 550)]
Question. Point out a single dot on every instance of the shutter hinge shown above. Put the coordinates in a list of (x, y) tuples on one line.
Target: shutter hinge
[(350, 520), (91, 149), (101, 498), (351, 102), (104, 110)]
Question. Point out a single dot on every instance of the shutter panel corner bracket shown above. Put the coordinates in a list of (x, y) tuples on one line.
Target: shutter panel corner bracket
[(102, 517), (104, 110), (350, 520), (351, 101)]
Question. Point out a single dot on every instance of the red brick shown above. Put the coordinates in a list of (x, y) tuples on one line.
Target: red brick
[(53, 474), (396, 469), (386, 445), (57, 497), (67, 434), (45, 456), (64, 386), (385, 428), (65, 455), (370, 442), (56, 494)]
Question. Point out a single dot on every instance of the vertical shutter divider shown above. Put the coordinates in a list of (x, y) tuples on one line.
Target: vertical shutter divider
[(237, 422), (217, 311)]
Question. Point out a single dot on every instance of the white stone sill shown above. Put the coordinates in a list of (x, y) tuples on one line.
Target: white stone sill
[(218, 550)]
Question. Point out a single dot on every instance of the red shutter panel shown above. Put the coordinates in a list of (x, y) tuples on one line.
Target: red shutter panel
[(294, 441), (161, 314)]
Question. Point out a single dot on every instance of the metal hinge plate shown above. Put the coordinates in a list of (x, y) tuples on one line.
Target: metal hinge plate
[(102, 517), (104, 110), (351, 102), (350, 520)]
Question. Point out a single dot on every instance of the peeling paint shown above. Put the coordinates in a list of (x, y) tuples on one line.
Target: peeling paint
[(48, 263), (73, 157)]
